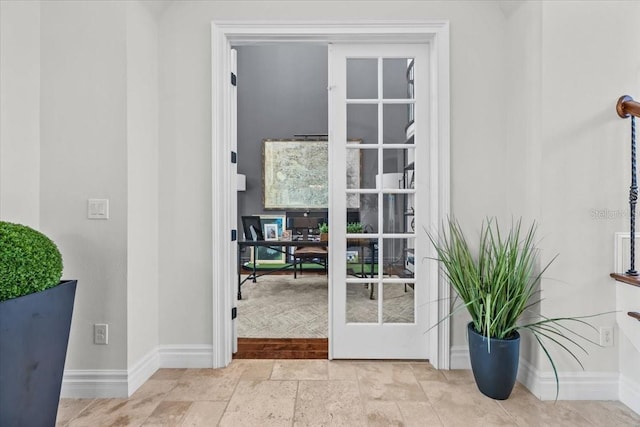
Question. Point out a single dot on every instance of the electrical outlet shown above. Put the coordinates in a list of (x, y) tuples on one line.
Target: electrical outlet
[(101, 333), (606, 336)]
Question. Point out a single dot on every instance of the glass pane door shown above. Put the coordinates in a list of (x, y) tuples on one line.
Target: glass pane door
[(378, 289)]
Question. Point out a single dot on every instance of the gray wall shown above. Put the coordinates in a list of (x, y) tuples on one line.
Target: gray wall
[(282, 91)]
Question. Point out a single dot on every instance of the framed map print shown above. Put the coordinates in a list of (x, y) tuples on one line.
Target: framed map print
[(295, 173)]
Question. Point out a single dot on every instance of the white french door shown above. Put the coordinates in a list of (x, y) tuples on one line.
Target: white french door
[(431, 182), (379, 134)]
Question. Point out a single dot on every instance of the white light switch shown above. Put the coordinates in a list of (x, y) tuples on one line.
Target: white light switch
[(98, 209)]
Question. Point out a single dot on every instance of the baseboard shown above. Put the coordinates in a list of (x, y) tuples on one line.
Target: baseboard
[(111, 383), (573, 385), (629, 392), (89, 384), (143, 370), (459, 357), (186, 356)]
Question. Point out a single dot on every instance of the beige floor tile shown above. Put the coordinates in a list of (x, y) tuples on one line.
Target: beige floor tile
[(383, 413), (234, 370), (528, 410), (458, 403), (167, 413), (333, 402), (388, 381), (69, 408), (300, 370), (190, 388), (168, 374), (115, 412), (342, 370), (154, 389), (426, 371), (203, 414), (602, 413), (418, 414), (348, 393), (261, 403), (459, 376), (255, 369)]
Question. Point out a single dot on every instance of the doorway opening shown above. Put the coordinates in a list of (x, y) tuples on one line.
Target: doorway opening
[(224, 35), (281, 109)]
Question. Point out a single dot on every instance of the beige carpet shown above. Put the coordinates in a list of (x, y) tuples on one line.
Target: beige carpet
[(279, 306)]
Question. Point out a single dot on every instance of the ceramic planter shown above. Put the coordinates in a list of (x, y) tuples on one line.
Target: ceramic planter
[(495, 367), (34, 333)]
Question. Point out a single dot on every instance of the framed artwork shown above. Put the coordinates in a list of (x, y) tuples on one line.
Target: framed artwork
[(270, 232), (252, 227), (270, 254), (295, 173), (277, 220)]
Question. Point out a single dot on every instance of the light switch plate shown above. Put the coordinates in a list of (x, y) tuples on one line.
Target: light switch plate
[(98, 209)]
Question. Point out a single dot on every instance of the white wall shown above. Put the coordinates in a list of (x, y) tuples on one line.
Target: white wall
[(142, 183), (84, 155), (569, 159), (590, 58), (523, 48), (185, 135), (20, 112)]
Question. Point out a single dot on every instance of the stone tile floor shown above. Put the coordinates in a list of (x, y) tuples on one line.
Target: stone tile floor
[(336, 393)]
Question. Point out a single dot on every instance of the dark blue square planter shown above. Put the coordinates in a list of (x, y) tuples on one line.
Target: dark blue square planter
[(495, 368), (34, 333)]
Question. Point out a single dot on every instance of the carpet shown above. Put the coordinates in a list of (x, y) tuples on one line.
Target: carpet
[(280, 306)]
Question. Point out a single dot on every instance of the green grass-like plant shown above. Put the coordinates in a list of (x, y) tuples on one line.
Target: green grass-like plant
[(354, 227), (29, 261), (498, 286), (323, 227)]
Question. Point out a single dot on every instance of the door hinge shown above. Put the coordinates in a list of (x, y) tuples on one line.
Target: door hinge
[(233, 79), (234, 235), (234, 157), (234, 313)]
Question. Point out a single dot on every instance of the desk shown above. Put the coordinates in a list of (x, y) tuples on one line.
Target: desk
[(276, 244)]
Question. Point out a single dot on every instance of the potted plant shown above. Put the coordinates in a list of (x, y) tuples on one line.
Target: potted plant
[(354, 227), (323, 229), (35, 317), (498, 287)]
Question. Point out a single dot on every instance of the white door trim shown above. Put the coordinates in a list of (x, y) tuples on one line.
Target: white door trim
[(224, 34)]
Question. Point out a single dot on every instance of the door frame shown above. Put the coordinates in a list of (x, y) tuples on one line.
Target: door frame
[(224, 35)]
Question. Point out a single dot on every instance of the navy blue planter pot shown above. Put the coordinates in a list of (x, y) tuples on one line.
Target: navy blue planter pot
[(34, 333), (495, 372)]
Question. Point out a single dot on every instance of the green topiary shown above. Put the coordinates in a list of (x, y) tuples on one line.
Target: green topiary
[(29, 261)]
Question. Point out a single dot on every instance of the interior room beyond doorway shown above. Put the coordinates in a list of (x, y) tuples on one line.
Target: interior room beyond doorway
[(282, 93)]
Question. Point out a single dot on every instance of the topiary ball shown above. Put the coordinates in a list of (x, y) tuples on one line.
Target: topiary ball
[(29, 261)]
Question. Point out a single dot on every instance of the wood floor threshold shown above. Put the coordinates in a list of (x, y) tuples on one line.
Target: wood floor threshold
[(282, 348)]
